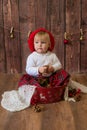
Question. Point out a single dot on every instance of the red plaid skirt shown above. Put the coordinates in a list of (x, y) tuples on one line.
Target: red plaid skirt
[(49, 89)]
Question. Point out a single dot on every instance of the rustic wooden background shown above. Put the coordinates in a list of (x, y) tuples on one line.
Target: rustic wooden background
[(58, 16)]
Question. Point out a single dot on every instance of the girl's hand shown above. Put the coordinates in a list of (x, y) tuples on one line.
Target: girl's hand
[(43, 69), (50, 69), (46, 70)]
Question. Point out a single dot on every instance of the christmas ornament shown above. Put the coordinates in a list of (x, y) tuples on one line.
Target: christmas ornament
[(12, 32), (66, 41), (81, 34)]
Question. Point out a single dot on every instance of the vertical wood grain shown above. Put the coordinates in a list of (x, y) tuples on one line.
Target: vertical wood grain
[(73, 27), (2, 43), (84, 41), (40, 13), (57, 27), (12, 45), (27, 23)]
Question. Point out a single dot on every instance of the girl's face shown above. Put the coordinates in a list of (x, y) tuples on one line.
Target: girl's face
[(41, 44)]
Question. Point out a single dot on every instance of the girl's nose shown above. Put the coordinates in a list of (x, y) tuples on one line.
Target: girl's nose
[(40, 44)]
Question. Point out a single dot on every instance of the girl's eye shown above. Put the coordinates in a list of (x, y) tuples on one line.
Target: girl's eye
[(36, 42), (43, 42)]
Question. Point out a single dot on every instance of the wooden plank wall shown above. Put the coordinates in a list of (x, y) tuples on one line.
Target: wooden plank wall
[(57, 16), (84, 42), (2, 46), (73, 27)]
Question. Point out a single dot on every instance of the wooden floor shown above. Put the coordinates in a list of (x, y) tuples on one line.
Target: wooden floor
[(57, 116)]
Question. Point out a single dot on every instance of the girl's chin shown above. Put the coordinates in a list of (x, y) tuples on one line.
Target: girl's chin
[(41, 51)]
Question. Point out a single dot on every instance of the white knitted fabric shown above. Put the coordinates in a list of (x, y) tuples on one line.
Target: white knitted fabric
[(17, 100)]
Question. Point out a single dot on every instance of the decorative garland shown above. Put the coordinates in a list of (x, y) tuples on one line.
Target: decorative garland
[(67, 36)]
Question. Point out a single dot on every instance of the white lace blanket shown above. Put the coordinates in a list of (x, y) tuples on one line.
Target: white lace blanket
[(17, 100)]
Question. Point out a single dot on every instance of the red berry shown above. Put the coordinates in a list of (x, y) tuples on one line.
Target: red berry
[(65, 41)]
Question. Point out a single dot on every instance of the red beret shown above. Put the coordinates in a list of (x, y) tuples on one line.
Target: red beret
[(31, 39)]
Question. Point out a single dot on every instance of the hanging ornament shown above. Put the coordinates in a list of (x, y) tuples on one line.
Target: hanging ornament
[(81, 34), (12, 33), (29, 33), (67, 38), (66, 41)]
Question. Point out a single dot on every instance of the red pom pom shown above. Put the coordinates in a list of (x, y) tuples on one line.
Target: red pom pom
[(66, 41)]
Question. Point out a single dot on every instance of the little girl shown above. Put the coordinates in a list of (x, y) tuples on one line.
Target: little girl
[(45, 81)]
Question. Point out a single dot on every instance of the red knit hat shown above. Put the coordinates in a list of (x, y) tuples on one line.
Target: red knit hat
[(31, 39)]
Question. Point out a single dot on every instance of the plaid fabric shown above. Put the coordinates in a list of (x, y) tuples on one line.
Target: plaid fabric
[(52, 92)]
